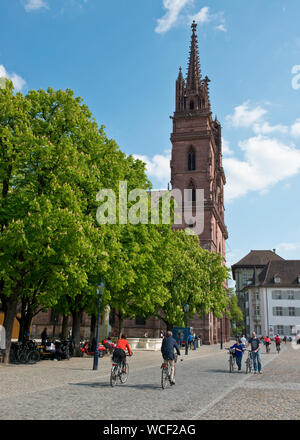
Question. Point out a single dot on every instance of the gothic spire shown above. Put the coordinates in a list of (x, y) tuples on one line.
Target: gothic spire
[(194, 74)]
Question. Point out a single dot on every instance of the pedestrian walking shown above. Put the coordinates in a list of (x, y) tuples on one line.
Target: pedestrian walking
[(239, 351), (44, 336), (195, 341), (255, 349)]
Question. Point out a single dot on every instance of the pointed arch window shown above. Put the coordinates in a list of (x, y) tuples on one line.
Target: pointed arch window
[(192, 194), (191, 159)]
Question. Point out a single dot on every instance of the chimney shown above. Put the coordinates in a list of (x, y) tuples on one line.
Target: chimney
[(274, 250)]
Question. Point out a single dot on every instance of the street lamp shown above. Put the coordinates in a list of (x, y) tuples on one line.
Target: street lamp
[(186, 311), (221, 342), (100, 289)]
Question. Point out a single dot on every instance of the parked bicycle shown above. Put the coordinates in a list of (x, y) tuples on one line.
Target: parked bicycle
[(231, 360), (249, 362), (24, 353), (119, 371)]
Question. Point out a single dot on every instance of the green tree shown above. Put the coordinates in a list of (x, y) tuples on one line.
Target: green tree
[(198, 278)]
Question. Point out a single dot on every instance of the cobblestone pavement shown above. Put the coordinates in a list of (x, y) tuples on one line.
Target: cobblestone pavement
[(204, 389)]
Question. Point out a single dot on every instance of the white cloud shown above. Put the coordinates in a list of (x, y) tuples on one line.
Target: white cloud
[(295, 129), (33, 5), (17, 80), (202, 16), (266, 162), (221, 27), (244, 117), (158, 167), (266, 128), (174, 7), (225, 148), (288, 246)]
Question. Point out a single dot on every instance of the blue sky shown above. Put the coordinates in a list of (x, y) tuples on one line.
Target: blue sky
[(122, 57)]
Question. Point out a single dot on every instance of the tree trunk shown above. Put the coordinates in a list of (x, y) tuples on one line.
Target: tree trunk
[(65, 326), (120, 324), (93, 326), (76, 315), (10, 313)]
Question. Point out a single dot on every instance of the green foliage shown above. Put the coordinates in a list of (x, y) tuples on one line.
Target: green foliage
[(236, 313)]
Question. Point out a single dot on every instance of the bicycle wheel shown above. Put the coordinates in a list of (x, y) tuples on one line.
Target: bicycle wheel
[(164, 378), (33, 357), (230, 364), (248, 366), (124, 374), (113, 376)]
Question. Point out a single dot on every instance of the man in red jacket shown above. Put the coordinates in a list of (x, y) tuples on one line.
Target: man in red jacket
[(119, 354)]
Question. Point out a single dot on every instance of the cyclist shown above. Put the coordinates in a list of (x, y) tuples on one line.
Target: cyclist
[(277, 340), (267, 342), (119, 354), (167, 351)]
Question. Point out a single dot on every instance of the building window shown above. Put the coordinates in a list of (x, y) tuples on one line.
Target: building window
[(191, 160), (191, 105), (292, 311), (291, 327), (278, 311), (245, 280), (291, 294), (277, 294), (257, 297), (139, 320), (277, 279), (280, 329)]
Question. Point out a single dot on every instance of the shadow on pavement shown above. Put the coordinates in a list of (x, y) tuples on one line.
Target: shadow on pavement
[(107, 385)]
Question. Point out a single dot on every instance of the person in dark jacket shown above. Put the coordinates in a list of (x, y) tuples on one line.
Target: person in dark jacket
[(167, 349)]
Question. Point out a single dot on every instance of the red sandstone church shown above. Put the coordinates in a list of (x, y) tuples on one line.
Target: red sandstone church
[(196, 163)]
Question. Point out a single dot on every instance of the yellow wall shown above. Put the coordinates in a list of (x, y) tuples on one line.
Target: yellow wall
[(16, 327)]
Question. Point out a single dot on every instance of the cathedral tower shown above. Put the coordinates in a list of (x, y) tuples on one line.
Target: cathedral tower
[(196, 163)]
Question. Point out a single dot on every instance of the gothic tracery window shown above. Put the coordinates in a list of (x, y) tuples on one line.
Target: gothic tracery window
[(191, 160)]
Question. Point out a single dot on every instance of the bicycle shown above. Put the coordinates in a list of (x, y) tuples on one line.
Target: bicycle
[(166, 373), (278, 348), (268, 348), (119, 370), (249, 362), (232, 360)]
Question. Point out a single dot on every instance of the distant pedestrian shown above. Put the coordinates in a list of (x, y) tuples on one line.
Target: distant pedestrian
[(44, 336), (2, 338), (243, 341), (195, 341), (255, 349), (190, 340)]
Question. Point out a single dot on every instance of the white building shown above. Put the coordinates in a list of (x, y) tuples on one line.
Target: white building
[(273, 299)]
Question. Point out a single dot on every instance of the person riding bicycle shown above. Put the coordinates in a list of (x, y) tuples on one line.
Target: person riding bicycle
[(277, 340), (267, 342), (119, 354), (167, 350)]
